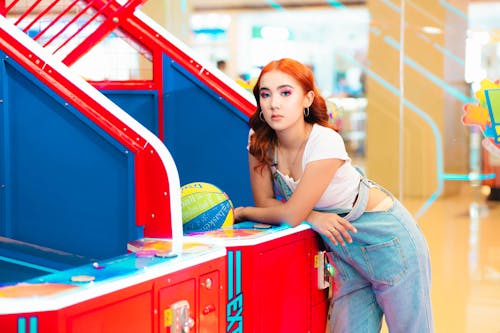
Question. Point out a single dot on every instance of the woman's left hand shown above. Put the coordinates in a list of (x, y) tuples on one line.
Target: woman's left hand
[(332, 226)]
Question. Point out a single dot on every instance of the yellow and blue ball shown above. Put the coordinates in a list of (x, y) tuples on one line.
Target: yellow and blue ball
[(205, 207)]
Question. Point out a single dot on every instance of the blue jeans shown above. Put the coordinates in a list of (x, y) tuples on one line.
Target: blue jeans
[(384, 271)]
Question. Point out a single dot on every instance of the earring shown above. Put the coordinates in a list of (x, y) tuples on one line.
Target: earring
[(261, 116), (306, 112)]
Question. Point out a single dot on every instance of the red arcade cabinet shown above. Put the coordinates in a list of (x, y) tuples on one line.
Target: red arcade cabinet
[(276, 277)]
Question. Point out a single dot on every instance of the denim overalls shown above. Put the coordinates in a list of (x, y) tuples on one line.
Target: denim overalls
[(384, 271)]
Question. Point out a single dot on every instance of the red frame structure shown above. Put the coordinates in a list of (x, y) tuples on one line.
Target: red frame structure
[(120, 16), (151, 199)]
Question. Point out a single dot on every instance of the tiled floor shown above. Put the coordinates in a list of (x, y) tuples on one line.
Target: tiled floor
[(463, 232)]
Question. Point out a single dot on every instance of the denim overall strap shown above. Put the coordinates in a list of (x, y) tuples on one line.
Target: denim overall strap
[(280, 185), (361, 200)]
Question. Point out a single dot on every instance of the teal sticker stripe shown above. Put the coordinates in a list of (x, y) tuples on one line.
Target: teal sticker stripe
[(234, 306), (21, 325), (238, 272), (233, 274), (230, 275), (33, 324)]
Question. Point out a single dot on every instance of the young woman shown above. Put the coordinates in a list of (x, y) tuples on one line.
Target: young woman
[(380, 254)]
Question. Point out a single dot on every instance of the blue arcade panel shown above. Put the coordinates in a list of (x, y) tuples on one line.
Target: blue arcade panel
[(65, 184), (142, 105), (206, 135)]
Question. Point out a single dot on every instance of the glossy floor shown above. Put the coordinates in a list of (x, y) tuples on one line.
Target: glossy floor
[(463, 232)]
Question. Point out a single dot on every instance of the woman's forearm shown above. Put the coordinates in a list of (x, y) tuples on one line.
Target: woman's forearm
[(314, 217), (268, 202), (275, 214)]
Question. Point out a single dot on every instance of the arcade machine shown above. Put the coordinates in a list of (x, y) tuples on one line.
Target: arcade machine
[(186, 103), (79, 180)]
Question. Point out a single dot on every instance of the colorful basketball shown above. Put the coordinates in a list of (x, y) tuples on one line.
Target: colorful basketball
[(205, 207)]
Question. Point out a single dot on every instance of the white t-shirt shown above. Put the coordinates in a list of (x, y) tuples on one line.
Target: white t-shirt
[(324, 143)]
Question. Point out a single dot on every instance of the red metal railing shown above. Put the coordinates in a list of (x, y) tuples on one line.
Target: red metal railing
[(103, 17), (68, 21)]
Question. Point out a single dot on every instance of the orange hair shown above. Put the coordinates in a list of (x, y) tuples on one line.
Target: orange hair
[(264, 137)]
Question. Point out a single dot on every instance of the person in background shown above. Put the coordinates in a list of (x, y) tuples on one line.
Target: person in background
[(379, 252), (222, 65)]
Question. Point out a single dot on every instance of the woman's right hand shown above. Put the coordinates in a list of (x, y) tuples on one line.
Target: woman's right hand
[(238, 214), (333, 226)]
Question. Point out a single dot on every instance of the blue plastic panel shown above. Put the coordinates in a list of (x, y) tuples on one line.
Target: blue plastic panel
[(206, 135), (142, 105), (68, 184)]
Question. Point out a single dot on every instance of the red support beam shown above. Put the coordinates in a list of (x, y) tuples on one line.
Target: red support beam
[(12, 4), (40, 15), (114, 15), (68, 24), (27, 12), (61, 14), (82, 27)]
